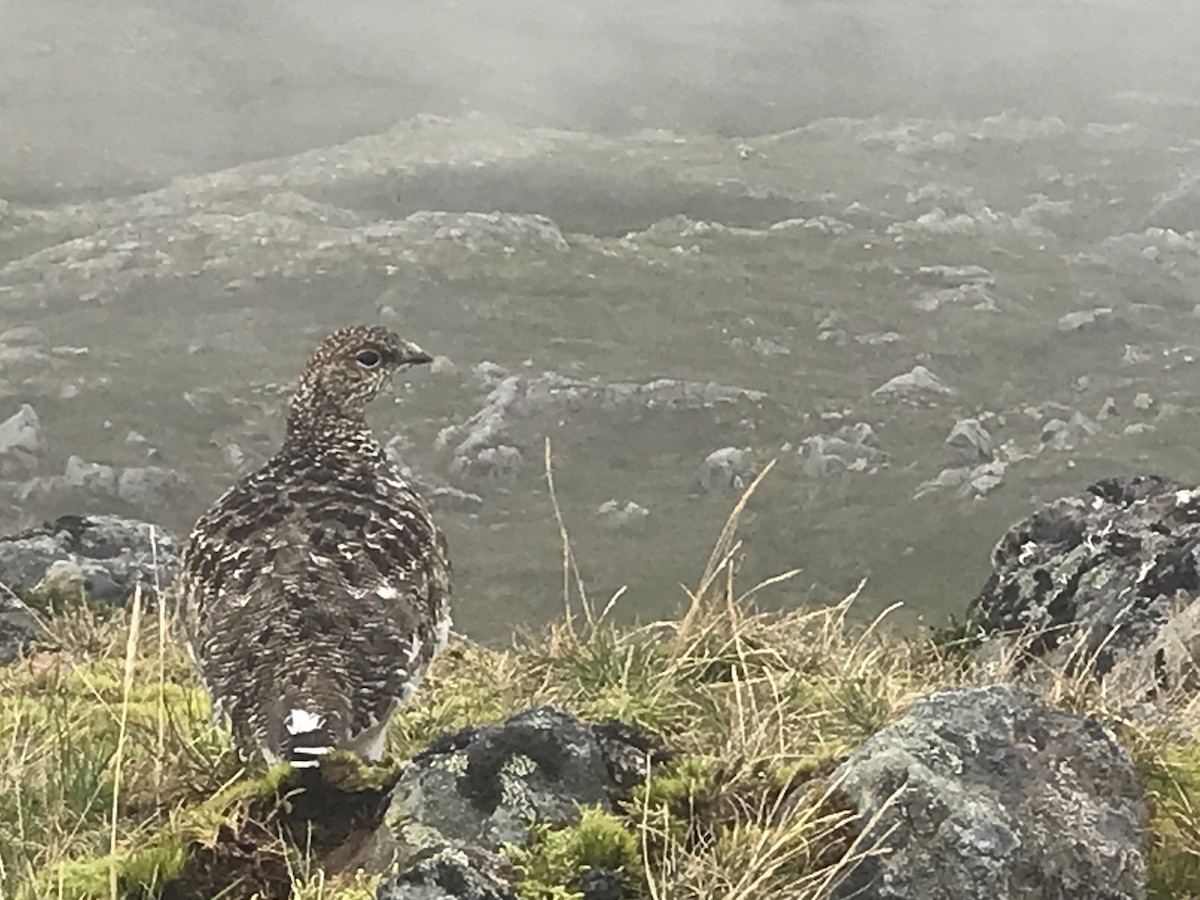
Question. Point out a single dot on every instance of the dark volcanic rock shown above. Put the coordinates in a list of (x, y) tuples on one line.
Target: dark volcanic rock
[(990, 794), (486, 785), (1106, 579), (472, 791), (106, 555)]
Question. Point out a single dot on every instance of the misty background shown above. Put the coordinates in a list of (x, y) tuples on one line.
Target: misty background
[(127, 95), (710, 234)]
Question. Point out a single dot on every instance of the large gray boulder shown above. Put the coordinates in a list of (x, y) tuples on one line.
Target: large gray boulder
[(991, 794), (1104, 580), (105, 556)]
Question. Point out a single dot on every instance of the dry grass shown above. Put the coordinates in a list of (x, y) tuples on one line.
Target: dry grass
[(106, 741)]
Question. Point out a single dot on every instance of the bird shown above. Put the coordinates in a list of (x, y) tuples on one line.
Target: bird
[(315, 591)]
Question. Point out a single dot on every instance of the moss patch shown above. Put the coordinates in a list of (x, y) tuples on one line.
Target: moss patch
[(557, 860)]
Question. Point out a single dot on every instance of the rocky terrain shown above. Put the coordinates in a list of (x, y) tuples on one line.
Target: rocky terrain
[(931, 322)]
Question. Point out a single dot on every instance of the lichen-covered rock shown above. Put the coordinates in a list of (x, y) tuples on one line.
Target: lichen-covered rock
[(487, 785), (1107, 579), (473, 791), (990, 794), (104, 555)]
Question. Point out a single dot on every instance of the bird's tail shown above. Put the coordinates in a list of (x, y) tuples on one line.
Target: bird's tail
[(304, 734)]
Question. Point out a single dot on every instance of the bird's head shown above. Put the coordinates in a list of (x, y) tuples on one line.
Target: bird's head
[(348, 369)]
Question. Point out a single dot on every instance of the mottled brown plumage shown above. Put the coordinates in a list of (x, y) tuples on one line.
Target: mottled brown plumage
[(316, 590)]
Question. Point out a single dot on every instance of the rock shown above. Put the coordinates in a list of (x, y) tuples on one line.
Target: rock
[(615, 514), (970, 442), (1058, 434), (22, 334), (977, 296), (1085, 319), (445, 498), (109, 555), (442, 365), (441, 497), (730, 468), (956, 276), (469, 793), (767, 347), (485, 786), (93, 478), (447, 873), (986, 478), (1105, 579), (21, 445), (1143, 401), (1179, 208), (143, 487), (500, 462), (477, 231), (18, 627), (970, 482), (148, 487), (520, 409), (990, 794), (851, 448), (917, 382)]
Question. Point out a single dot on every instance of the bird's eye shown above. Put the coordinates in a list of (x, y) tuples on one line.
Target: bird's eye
[(368, 358)]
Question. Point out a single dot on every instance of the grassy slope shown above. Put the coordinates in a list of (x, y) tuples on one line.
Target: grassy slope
[(110, 766)]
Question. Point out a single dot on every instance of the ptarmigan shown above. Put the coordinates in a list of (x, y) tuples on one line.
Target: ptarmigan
[(316, 590)]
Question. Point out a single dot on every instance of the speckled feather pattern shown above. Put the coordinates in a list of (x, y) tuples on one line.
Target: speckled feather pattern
[(316, 590)]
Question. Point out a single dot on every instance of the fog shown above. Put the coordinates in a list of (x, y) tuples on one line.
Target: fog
[(123, 95)]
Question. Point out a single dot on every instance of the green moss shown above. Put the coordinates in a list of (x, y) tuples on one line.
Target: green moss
[(347, 772), (1171, 776), (549, 868), (162, 855)]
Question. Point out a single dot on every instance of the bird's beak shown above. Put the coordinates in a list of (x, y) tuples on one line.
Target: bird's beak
[(412, 355)]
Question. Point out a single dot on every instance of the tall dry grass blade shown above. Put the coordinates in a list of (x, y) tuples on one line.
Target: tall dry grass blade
[(570, 567), (131, 652), (161, 609), (721, 553)]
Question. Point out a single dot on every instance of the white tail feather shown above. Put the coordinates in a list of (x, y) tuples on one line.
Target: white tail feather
[(301, 721)]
